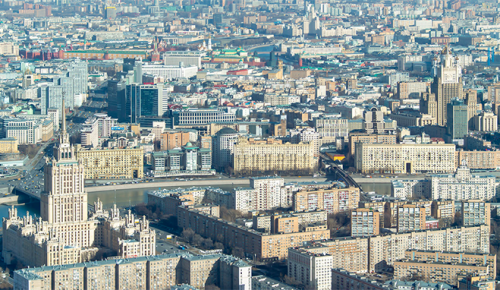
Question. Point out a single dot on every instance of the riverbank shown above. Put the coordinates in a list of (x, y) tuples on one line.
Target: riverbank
[(218, 182)]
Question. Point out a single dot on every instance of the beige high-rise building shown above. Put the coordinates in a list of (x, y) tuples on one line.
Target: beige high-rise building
[(486, 122), (443, 209), (365, 222), (9, 145), (411, 218), (405, 158), (476, 212), (115, 163), (333, 200), (64, 234), (272, 156), (369, 138), (369, 254)]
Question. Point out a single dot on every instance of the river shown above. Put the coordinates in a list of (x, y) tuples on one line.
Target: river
[(130, 197)]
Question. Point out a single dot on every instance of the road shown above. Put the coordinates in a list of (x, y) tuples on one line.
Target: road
[(33, 175)]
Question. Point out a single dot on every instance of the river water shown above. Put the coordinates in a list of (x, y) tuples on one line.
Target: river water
[(131, 197)]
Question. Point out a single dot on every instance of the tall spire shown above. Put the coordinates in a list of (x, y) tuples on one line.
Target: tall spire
[(63, 118)]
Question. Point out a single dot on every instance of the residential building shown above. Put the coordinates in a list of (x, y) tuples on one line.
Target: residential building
[(331, 127), (346, 280), (374, 122), (476, 212), (411, 90), (333, 200), (404, 158), (90, 133), (411, 218), (355, 137), (443, 209), (310, 269), (151, 272), (111, 163), (365, 223), (9, 145), (187, 160), (442, 268), (485, 122), (223, 147), (271, 156), (173, 139), (461, 186), (261, 246)]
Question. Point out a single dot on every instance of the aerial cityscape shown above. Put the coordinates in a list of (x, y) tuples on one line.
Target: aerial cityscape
[(248, 144)]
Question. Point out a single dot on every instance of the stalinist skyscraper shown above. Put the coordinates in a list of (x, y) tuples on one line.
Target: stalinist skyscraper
[(64, 234), (446, 86)]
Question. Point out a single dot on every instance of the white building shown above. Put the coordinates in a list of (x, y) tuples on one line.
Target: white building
[(461, 186), (53, 114), (179, 58), (264, 193), (26, 131), (90, 132), (409, 188), (169, 71), (310, 269)]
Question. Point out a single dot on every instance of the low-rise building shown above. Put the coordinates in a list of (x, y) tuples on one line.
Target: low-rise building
[(9, 145)]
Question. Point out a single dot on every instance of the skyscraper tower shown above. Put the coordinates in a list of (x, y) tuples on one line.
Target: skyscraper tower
[(64, 199), (447, 85)]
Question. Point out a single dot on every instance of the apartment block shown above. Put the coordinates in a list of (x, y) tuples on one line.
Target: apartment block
[(479, 159), (391, 213), (173, 139), (333, 200), (443, 209), (271, 156), (405, 158), (310, 269), (365, 222), (411, 218), (347, 253), (387, 249), (475, 212), (453, 257), (152, 272), (9, 145), (448, 273), (262, 246), (462, 185), (355, 137), (115, 163), (376, 206)]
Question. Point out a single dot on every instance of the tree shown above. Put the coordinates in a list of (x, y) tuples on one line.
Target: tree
[(188, 235), (218, 246)]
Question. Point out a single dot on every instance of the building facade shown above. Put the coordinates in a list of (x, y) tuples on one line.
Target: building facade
[(113, 163), (271, 156), (405, 158)]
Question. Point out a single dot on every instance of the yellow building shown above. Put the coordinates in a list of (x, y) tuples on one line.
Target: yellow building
[(272, 156), (116, 163), (9, 145)]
